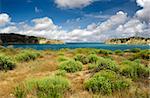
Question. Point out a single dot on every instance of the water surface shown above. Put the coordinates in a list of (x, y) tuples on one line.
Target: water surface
[(80, 45)]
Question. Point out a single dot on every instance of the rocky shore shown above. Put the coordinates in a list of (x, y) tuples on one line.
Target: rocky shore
[(131, 40)]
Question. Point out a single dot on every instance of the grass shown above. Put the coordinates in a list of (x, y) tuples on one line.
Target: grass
[(91, 73), (71, 66), (27, 55), (106, 82), (47, 87), (6, 63), (134, 69)]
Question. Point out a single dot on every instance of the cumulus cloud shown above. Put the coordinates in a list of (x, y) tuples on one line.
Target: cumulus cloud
[(143, 14), (4, 18), (118, 25), (70, 4)]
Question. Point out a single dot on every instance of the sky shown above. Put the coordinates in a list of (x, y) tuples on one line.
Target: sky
[(76, 20)]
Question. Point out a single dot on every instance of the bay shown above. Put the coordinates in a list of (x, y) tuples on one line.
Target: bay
[(80, 45)]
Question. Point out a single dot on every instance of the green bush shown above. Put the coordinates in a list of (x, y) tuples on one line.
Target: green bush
[(82, 58), (104, 63), (6, 63), (60, 73), (134, 69), (48, 87), (106, 82), (27, 55), (62, 58), (93, 58), (135, 50), (143, 54), (71, 66), (105, 52), (118, 52), (86, 51), (92, 65)]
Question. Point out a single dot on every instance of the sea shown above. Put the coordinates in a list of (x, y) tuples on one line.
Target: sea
[(80, 45)]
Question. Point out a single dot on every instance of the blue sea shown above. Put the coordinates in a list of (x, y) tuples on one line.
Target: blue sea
[(80, 45)]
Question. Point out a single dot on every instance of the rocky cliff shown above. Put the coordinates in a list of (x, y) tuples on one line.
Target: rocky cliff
[(131, 40), (17, 39), (12, 38)]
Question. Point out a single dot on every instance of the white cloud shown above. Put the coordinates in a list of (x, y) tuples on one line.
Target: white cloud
[(144, 14), (10, 29), (4, 18), (44, 24), (70, 4), (118, 25)]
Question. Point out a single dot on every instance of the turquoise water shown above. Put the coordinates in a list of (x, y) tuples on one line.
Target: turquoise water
[(80, 45)]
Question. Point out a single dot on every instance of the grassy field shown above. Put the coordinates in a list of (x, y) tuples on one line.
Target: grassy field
[(74, 73)]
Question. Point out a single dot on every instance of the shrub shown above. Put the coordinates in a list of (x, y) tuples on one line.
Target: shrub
[(60, 73), (71, 66), (134, 69), (143, 54), (62, 58), (106, 82), (82, 58), (86, 51), (135, 50), (92, 66), (93, 58), (118, 52), (105, 52), (6, 63), (127, 50), (48, 87), (104, 63), (27, 55)]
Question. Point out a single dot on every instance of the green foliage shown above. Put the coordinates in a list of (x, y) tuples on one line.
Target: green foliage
[(106, 82), (82, 58), (71, 66), (135, 50), (6, 63), (47, 87), (60, 73), (93, 58), (105, 52), (118, 52), (19, 92), (104, 63), (62, 58), (27, 55), (92, 65), (143, 54), (134, 69)]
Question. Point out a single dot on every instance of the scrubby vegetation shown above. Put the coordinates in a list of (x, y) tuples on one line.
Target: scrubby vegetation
[(71, 66), (143, 54), (104, 63), (105, 52), (27, 55), (134, 69), (74, 73), (119, 52), (93, 58), (106, 82), (47, 87), (6, 63), (82, 58)]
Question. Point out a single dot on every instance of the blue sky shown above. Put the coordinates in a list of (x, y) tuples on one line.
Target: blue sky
[(21, 10), (74, 16)]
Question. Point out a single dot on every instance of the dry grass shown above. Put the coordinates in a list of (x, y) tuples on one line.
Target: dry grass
[(46, 65)]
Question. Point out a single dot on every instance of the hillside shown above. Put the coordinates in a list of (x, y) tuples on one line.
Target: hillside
[(130, 40), (12, 38)]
